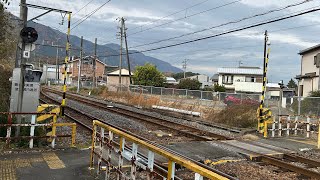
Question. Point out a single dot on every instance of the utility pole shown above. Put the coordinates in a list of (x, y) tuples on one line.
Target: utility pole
[(127, 51), (79, 66), (184, 67), (121, 39), (95, 63), (57, 60), (23, 17)]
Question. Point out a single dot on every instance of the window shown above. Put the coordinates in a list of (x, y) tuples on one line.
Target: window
[(227, 79), (251, 79)]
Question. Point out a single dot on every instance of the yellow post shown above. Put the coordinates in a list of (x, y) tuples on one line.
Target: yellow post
[(66, 61), (319, 134), (265, 129), (170, 170), (73, 136)]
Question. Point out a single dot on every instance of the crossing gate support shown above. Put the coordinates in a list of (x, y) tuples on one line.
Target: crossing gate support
[(33, 124), (103, 147)]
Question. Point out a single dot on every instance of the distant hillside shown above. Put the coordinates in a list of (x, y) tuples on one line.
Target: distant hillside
[(49, 36)]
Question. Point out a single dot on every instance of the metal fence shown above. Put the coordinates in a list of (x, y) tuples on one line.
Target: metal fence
[(31, 131), (194, 94)]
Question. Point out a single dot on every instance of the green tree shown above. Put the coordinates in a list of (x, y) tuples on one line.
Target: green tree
[(148, 75), (292, 84), (218, 88), (191, 84)]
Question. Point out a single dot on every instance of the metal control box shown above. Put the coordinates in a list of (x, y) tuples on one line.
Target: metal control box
[(31, 90)]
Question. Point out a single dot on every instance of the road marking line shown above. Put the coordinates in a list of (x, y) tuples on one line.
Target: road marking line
[(53, 161)]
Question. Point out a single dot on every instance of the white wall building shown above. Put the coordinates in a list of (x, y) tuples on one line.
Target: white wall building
[(309, 73), (203, 79), (171, 80), (49, 74), (241, 79)]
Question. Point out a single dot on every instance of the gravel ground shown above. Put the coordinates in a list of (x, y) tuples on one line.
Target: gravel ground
[(83, 136), (253, 171), (172, 119), (123, 122)]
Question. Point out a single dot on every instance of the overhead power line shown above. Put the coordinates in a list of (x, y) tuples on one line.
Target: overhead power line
[(152, 22), (83, 7), (89, 15), (224, 24), (226, 32), (217, 7)]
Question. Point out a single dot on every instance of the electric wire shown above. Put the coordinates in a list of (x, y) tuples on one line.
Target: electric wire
[(217, 7), (224, 24), (226, 32), (89, 15), (152, 22)]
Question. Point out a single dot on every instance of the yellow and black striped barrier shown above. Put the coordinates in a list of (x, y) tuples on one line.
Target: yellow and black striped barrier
[(261, 119), (66, 61), (48, 118)]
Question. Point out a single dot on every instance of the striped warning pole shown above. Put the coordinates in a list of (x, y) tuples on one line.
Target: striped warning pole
[(66, 60), (265, 67)]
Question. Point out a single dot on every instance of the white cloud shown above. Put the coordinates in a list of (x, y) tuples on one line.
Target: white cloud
[(275, 37)]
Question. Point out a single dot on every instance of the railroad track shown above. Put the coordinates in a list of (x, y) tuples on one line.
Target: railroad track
[(85, 120), (287, 161), (180, 129)]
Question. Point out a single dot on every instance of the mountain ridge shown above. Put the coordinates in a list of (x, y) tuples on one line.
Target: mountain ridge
[(49, 36)]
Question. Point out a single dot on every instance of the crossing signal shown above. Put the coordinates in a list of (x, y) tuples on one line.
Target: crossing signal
[(29, 35)]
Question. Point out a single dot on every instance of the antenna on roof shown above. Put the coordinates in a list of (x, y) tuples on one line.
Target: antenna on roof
[(240, 62)]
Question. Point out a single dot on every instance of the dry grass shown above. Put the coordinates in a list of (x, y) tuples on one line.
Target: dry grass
[(242, 116)]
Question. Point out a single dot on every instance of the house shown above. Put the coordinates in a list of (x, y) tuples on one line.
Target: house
[(113, 77), (215, 79), (203, 79), (241, 79), (86, 70), (49, 73), (171, 80), (308, 78), (273, 91)]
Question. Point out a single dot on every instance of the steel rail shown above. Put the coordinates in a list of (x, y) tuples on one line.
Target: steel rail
[(187, 130), (280, 163), (151, 142)]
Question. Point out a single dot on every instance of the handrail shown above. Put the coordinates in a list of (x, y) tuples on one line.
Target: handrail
[(172, 159)]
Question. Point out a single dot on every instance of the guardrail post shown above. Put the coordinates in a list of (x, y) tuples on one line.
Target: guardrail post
[(134, 161), (109, 153), (150, 164), (101, 140), (273, 127), (94, 133), (319, 134), (296, 125), (288, 126), (73, 136), (171, 170), (53, 142), (280, 127), (198, 177), (33, 122), (9, 130), (120, 164), (308, 127)]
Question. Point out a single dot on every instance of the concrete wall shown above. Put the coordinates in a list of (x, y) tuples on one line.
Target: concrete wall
[(114, 80)]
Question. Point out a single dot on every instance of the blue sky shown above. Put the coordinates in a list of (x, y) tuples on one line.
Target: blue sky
[(203, 56)]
